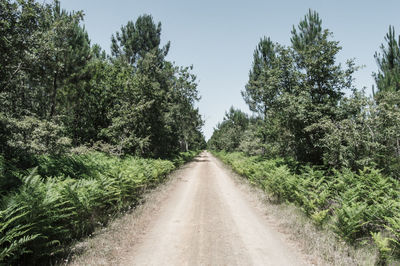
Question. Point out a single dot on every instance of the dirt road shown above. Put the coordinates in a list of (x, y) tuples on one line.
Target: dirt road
[(208, 220)]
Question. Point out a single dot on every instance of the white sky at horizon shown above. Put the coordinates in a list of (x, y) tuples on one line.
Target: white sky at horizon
[(218, 37)]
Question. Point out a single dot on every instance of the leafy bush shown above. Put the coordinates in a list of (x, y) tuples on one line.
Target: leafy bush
[(394, 227), (66, 198), (358, 205), (32, 135)]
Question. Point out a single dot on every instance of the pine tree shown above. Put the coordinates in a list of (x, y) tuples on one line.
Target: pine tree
[(309, 31), (321, 85), (388, 76), (136, 39), (258, 94)]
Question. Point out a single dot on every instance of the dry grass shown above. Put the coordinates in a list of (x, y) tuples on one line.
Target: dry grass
[(110, 245), (320, 246)]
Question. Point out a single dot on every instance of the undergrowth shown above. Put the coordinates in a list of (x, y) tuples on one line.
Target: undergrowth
[(360, 208), (64, 199)]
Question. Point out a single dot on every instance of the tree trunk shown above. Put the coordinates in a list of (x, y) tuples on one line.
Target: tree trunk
[(54, 97)]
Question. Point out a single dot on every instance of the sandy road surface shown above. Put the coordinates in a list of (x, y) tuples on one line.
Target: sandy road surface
[(207, 220)]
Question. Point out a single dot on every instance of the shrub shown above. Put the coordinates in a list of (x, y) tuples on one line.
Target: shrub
[(359, 204), (67, 197)]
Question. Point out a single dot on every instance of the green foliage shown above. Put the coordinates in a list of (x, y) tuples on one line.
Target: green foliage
[(351, 220), (59, 94), (30, 135), (355, 205), (70, 197), (321, 86), (386, 122), (292, 89), (228, 134), (260, 93), (154, 114), (47, 53), (350, 145), (184, 157), (19, 23), (388, 76), (251, 140), (366, 134), (2, 166), (383, 246), (320, 217), (22, 140), (14, 236), (136, 39), (298, 94), (77, 166), (394, 228), (57, 89)]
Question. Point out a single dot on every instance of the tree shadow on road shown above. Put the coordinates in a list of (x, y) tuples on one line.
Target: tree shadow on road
[(201, 160)]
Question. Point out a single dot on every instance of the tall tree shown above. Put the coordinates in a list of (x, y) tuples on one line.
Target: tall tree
[(293, 88), (182, 116), (316, 55), (259, 92), (19, 23), (388, 60), (273, 74), (45, 50), (61, 54), (89, 99), (154, 111), (309, 31), (321, 85), (136, 39)]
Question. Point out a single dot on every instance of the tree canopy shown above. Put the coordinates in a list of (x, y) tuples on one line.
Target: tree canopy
[(59, 92), (308, 109)]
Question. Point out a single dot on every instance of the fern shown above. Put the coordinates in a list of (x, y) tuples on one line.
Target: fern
[(359, 204), (383, 245), (46, 214)]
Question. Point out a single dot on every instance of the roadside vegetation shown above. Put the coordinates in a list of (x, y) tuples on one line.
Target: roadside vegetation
[(362, 208), (317, 141), (70, 198), (83, 133)]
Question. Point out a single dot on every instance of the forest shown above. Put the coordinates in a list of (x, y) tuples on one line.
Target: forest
[(317, 141), (83, 133)]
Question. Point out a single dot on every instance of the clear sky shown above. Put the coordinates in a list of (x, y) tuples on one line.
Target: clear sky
[(218, 37)]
